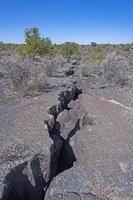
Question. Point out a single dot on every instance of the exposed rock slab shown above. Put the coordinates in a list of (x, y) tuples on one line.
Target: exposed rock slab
[(89, 183), (27, 150), (103, 148)]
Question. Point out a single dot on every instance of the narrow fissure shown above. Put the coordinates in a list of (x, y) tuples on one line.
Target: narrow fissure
[(18, 182), (67, 157)]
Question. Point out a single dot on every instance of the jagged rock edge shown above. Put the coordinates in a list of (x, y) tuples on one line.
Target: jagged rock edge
[(54, 132), (64, 98)]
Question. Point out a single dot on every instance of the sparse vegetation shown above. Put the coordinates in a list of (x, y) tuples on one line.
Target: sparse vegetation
[(69, 48), (38, 67), (107, 61), (19, 74)]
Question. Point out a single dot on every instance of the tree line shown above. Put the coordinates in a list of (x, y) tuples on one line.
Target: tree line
[(40, 46)]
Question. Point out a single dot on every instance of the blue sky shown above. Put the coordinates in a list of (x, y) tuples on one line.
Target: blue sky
[(82, 21)]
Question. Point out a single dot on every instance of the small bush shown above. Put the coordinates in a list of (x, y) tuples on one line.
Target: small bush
[(88, 69), (115, 70), (48, 68), (69, 48), (28, 77), (84, 71), (19, 74), (94, 44)]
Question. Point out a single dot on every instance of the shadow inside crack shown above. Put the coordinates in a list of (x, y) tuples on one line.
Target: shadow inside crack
[(18, 185), (67, 156)]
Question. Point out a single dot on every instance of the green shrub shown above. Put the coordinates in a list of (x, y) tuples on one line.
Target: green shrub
[(94, 44), (34, 44), (69, 48)]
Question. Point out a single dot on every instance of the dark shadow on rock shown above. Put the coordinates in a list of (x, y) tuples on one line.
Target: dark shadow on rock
[(18, 186), (65, 98), (69, 72), (40, 182), (77, 93), (67, 156), (64, 159)]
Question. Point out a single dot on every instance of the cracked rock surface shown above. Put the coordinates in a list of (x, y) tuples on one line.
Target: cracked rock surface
[(31, 145), (27, 150), (68, 145), (102, 145)]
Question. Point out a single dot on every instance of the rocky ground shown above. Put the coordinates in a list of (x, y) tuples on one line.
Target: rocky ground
[(72, 141)]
